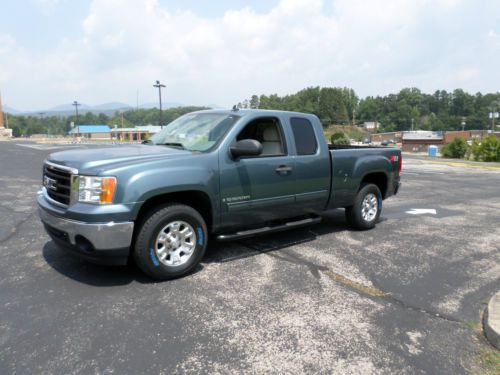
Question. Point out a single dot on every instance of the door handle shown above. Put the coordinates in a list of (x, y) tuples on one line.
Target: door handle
[(283, 169)]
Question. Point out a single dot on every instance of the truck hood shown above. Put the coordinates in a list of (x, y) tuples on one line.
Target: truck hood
[(97, 159)]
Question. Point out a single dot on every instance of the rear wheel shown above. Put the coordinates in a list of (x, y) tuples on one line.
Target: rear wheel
[(365, 211), (170, 242)]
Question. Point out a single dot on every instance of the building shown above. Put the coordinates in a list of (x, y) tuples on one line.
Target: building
[(5, 132), (138, 133), (371, 125), (386, 137), (420, 140), (91, 131)]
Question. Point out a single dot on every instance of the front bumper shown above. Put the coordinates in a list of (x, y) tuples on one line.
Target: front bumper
[(99, 242)]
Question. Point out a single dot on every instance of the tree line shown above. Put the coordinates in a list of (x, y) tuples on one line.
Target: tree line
[(409, 108), (26, 125)]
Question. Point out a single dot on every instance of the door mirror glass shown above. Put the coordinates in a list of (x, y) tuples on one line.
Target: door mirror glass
[(246, 147)]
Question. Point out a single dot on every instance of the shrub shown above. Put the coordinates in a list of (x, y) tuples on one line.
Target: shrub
[(488, 149), (455, 149), (340, 139)]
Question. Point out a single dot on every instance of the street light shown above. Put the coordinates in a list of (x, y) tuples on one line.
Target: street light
[(159, 86), (76, 104), (41, 120)]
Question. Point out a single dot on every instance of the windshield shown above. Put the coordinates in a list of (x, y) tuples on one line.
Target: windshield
[(195, 131)]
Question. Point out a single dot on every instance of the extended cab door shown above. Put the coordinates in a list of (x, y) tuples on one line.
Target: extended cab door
[(254, 190), (312, 164)]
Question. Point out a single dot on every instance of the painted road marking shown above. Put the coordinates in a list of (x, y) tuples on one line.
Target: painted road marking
[(45, 147), (421, 211)]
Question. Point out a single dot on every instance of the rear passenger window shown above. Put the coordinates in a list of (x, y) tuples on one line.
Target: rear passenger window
[(303, 132)]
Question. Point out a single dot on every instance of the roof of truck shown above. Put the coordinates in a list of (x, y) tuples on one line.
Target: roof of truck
[(243, 112)]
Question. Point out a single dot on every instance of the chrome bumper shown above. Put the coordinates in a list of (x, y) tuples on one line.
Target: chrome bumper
[(103, 236)]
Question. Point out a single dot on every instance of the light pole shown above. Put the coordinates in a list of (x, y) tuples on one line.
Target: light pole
[(159, 86), (76, 104), (494, 113), (41, 120)]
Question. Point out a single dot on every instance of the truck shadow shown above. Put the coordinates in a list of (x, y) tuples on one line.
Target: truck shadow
[(89, 273), (217, 252)]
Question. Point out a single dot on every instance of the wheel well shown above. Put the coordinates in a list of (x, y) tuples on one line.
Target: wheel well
[(379, 179), (195, 199)]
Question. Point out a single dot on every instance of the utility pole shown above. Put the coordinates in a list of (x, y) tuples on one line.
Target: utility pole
[(1, 112), (41, 120), (159, 86), (494, 114), (76, 104)]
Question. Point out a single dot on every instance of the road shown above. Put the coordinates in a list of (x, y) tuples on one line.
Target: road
[(399, 299)]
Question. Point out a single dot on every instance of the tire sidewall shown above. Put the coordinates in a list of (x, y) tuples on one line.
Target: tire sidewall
[(359, 221), (145, 253)]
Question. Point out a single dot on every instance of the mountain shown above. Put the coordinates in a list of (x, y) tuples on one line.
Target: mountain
[(10, 110), (157, 105), (109, 109)]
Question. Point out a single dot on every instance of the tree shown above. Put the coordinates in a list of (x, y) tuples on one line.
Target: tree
[(489, 149), (455, 149), (254, 102), (340, 139)]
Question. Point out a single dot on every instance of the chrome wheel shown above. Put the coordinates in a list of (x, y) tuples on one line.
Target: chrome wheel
[(175, 243), (369, 207)]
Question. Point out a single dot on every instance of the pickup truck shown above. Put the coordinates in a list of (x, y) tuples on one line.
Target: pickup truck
[(227, 174)]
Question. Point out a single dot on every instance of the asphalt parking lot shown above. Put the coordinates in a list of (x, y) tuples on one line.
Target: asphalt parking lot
[(399, 299)]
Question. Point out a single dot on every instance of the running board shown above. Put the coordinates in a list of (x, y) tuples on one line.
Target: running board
[(265, 230)]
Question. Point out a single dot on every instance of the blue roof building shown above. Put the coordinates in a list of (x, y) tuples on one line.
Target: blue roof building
[(91, 131)]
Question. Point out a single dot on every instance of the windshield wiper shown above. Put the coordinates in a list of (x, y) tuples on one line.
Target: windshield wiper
[(172, 144)]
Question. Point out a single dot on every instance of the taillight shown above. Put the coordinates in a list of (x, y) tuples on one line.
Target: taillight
[(399, 159)]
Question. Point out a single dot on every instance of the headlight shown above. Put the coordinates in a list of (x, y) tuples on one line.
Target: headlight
[(98, 190)]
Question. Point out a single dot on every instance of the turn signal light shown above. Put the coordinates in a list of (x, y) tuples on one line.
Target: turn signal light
[(108, 186)]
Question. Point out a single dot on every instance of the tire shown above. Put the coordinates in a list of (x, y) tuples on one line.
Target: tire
[(365, 211), (170, 242)]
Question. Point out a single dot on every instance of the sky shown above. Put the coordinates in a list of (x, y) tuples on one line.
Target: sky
[(53, 52)]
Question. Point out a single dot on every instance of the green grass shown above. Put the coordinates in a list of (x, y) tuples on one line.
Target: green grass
[(488, 362)]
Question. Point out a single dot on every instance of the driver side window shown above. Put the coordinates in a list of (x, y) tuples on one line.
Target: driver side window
[(268, 132)]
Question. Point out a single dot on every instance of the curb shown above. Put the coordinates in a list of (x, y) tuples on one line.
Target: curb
[(491, 320)]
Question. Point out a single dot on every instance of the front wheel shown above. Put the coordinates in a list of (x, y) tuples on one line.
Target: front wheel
[(365, 211), (170, 242)]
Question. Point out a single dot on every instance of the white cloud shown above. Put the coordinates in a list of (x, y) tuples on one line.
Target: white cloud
[(375, 47)]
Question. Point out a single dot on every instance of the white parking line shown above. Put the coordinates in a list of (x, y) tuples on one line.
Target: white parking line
[(44, 147)]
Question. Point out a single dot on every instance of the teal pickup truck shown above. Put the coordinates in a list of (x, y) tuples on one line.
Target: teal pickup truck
[(228, 174)]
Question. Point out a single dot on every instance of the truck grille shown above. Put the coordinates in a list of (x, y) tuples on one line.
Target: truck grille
[(57, 182)]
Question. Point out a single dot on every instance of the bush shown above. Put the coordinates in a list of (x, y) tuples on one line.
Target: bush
[(339, 139), (456, 149), (488, 149)]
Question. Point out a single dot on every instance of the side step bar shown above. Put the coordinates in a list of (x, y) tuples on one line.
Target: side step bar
[(265, 230)]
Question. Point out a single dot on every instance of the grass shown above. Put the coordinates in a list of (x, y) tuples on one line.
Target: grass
[(466, 165), (473, 325), (488, 362), (487, 359)]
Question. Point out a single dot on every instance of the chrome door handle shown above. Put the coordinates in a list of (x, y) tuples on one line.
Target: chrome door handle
[(283, 169)]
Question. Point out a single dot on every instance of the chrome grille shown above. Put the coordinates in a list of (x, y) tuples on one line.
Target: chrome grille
[(57, 182)]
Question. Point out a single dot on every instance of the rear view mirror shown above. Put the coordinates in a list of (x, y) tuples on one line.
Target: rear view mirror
[(246, 147)]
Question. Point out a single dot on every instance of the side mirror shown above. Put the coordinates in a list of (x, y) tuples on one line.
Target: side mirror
[(246, 147)]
